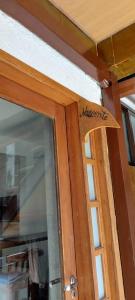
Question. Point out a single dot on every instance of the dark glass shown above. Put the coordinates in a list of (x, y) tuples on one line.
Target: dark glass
[(126, 136), (30, 265)]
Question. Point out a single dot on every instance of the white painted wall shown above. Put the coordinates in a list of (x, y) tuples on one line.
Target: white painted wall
[(27, 47)]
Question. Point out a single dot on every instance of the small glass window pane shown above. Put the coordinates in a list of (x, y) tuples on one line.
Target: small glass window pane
[(100, 278), (95, 227), (91, 185), (87, 147), (126, 136), (132, 118)]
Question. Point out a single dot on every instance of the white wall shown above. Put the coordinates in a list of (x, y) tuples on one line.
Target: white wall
[(26, 46)]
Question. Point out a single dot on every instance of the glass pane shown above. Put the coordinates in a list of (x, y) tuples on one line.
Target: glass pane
[(132, 118), (87, 147), (126, 136), (29, 240), (100, 279), (91, 185), (95, 227)]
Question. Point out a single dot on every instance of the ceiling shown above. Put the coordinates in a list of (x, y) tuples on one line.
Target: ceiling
[(99, 19)]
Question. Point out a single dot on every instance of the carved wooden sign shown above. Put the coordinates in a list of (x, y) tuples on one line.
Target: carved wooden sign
[(93, 116)]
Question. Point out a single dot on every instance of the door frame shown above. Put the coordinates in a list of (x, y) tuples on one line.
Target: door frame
[(27, 97), (24, 86), (83, 233)]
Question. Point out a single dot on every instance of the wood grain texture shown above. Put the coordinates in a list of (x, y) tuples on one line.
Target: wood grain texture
[(118, 51), (43, 19), (96, 18), (93, 116), (126, 87), (79, 205), (123, 195), (19, 72), (108, 216)]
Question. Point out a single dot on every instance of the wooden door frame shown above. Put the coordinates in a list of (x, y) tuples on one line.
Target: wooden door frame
[(122, 189), (15, 93), (126, 87), (84, 250), (16, 72)]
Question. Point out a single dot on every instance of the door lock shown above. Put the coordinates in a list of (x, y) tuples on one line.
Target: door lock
[(72, 287)]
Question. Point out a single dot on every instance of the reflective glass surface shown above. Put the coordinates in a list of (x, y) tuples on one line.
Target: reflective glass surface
[(91, 184), (100, 279), (29, 239), (87, 147), (126, 136), (95, 227), (132, 118)]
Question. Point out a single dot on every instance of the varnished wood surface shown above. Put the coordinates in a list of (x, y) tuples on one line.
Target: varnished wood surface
[(19, 72), (118, 50), (93, 116), (127, 87), (108, 214), (96, 19), (50, 25), (101, 250), (81, 230), (123, 196), (104, 203)]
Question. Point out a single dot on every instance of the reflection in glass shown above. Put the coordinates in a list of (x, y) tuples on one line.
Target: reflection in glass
[(95, 227), (29, 241), (100, 279), (132, 118), (126, 136), (91, 185), (87, 147)]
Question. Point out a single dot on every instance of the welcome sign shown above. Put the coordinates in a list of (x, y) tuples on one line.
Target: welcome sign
[(93, 116)]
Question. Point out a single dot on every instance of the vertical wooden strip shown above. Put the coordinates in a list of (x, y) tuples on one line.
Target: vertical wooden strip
[(123, 196), (69, 264), (108, 215), (79, 204)]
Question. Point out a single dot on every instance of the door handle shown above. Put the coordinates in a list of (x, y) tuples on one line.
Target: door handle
[(72, 287)]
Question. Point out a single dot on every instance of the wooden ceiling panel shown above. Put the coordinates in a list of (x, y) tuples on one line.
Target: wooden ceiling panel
[(99, 19)]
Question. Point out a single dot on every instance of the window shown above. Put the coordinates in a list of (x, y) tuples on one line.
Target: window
[(106, 267), (128, 117), (95, 218)]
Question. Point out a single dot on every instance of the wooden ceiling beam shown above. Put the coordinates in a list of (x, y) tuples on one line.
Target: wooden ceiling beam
[(118, 51), (52, 26), (127, 87)]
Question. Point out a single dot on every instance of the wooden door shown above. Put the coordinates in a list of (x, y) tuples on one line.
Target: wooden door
[(16, 94)]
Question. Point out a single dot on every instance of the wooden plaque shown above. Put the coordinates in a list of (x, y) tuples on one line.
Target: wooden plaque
[(93, 116)]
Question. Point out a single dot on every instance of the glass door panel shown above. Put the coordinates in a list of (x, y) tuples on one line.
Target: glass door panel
[(30, 256)]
